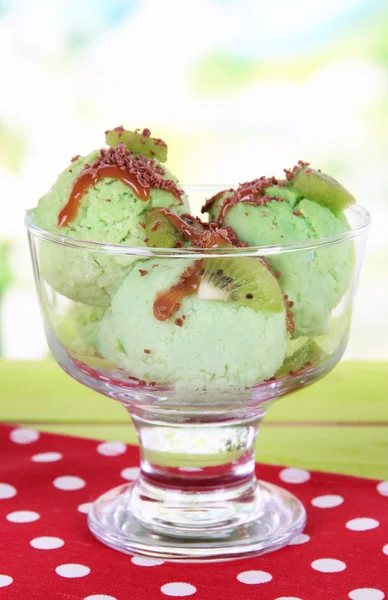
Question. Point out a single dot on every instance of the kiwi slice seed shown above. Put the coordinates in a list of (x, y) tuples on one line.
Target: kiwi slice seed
[(160, 232), (322, 189), (308, 355), (138, 143), (244, 280)]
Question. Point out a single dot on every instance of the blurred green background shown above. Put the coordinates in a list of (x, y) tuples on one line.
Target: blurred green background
[(238, 89)]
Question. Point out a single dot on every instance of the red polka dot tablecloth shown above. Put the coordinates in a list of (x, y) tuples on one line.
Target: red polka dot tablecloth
[(47, 552)]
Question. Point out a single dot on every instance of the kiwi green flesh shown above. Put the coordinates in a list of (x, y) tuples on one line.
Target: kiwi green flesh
[(138, 143), (245, 281), (160, 232), (322, 189), (308, 356), (193, 224)]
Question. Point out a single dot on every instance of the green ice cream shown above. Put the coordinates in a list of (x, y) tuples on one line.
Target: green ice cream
[(78, 330), (202, 345), (315, 280), (110, 212)]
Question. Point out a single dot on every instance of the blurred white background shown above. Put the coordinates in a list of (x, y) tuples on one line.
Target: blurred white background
[(238, 88)]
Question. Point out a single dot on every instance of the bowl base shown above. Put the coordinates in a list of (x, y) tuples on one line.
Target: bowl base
[(282, 518)]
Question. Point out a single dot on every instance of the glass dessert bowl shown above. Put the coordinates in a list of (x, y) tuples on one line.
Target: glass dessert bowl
[(197, 367)]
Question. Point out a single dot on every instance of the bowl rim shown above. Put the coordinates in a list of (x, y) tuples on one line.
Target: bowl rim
[(147, 252)]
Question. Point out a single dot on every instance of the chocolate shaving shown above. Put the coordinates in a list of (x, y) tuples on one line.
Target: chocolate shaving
[(159, 142), (178, 322), (120, 130), (76, 157), (143, 272), (155, 227), (214, 236), (290, 322), (290, 173), (146, 351), (251, 192), (288, 304), (146, 170)]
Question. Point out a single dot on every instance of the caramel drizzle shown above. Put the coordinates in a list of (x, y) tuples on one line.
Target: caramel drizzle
[(209, 203), (92, 174), (90, 177), (186, 229), (168, 303)]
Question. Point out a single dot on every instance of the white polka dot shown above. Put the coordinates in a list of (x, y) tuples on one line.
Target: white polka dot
[(5, 580), (72, 570), (47, 457), (293, 475), (385, 549), (366, 594), (111, 448), (302, 538), (130, 473), (84, 508), (47, 543), (99, 597), (253, 577), (382, 488), (23, 516), (146, 561), (178, 589), (362, 524), (7, 491), (329, 501), (68, 483), (190, 469), (288, 598), (24, 436), (328, 565)]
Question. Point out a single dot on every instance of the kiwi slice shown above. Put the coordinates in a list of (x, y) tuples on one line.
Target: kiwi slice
[(195, 224), (165, 229), (138, 143), (160, 231), (244, 280), (307, 356), (322, 189)]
